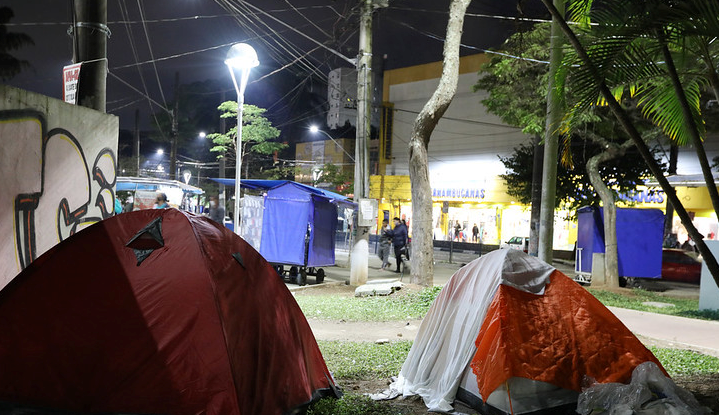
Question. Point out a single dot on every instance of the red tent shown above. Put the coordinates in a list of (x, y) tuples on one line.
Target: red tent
[(156, 311)]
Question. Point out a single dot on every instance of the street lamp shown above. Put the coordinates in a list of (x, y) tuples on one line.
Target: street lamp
[(314, 130), (242, 57)]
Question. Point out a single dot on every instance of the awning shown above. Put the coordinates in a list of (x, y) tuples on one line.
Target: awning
[(255, 184), (148, 183)]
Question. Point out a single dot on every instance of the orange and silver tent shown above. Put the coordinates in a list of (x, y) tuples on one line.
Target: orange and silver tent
[(156, 312), (510, 333)]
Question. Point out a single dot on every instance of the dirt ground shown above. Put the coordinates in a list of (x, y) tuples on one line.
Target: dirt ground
[(705, 388)]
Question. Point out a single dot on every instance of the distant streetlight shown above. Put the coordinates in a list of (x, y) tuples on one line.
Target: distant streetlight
[(314, 130), (160, 151), (242, 57), (202, 134)]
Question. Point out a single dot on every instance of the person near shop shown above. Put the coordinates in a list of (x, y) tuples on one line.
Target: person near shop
[(385, 242), (216, 212), (475, 233), (399, 241), (457, 230), (129, 204), (161, 201), (690, 245)]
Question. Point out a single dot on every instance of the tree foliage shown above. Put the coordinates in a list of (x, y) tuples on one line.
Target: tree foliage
[(258, 138), (342, 181), (517, 94), (9, 42), (515, 84), (574, 189)]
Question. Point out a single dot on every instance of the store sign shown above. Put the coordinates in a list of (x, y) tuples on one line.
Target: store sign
[(458, 193), (643, 196), (70, 82)]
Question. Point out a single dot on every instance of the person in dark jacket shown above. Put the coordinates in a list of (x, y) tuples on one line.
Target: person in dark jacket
[(399, 240)]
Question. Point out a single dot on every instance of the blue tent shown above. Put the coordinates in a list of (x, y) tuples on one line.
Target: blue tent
[(270, 184), (298, 227), (299, 222), (639, 240)]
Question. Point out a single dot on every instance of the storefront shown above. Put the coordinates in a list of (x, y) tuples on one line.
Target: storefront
[(497, 215)]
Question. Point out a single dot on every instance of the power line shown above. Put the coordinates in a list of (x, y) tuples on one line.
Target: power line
[(489, 124), (152, 55), (128, 29), (175, 19), (441, 39)]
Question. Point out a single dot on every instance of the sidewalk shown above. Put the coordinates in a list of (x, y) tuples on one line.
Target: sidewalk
[(670, 331)]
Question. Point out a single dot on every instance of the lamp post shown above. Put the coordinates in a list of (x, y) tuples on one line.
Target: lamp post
[(242, 57), (314, 130)]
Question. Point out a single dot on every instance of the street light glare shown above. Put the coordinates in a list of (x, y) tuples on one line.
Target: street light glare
[(160, 151), (242, 56), (314, 129), (202, 134)]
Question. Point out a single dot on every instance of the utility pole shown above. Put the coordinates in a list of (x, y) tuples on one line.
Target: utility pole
[(359, 267), (90, 33), (175, 133), (136, 143), (223, 129), (551, 143)]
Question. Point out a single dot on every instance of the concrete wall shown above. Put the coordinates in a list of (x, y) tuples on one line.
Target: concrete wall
[(57, 174)]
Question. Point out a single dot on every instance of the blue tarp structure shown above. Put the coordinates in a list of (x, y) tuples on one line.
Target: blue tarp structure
[(639, 240), (270, 184), (299, 222), (133, 184)]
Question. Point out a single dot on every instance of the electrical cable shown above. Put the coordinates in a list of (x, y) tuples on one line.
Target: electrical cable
[(124, 12), (149, 48)]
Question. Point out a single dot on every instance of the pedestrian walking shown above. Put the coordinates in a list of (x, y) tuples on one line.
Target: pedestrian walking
[(216, 212), (399, 241), (385, 242), (475, 233)]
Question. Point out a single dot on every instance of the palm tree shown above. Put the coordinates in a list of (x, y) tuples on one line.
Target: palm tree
[(9, 41), (629, 41)]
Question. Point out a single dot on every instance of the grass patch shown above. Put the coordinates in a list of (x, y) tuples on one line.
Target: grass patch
[(363, 360), (351, 404), (685, 362), (683, 307), (380, 308)]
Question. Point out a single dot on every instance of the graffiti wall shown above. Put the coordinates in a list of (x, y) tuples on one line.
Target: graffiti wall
[(57, 174)]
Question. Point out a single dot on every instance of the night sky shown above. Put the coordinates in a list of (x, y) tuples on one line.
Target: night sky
[(406, 33)]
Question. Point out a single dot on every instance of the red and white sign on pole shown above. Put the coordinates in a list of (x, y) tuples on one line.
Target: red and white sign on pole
[(70, 81)]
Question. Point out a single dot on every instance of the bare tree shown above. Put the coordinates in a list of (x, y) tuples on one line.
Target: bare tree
[(422, 260)]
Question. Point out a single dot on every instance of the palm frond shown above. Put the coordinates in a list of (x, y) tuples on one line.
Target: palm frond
[(579, 12), (658, 102)]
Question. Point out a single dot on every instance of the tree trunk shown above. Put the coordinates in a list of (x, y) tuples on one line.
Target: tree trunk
[(611, 255), (551, 144), (422, 259), (672, 170), (626, 123)]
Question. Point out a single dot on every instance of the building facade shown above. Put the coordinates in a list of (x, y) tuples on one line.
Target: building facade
[(464, 164)]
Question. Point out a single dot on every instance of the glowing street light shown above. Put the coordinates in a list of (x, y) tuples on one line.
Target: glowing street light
[(242, 57), (314, 130)]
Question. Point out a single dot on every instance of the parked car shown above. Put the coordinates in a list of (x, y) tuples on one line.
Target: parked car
[(679, 266), (516, 242)]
